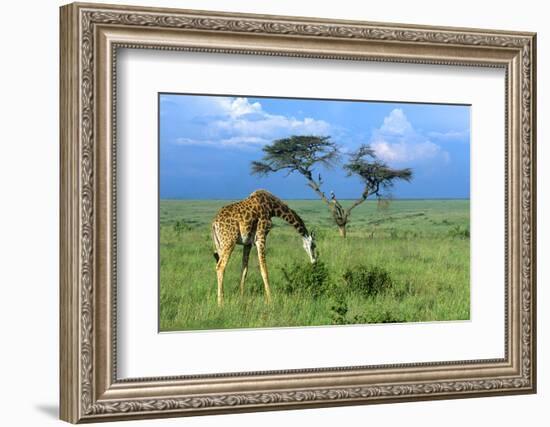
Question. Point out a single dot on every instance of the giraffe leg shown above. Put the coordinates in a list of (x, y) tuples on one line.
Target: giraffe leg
[(260, 245), (220, 269), (244, 270)]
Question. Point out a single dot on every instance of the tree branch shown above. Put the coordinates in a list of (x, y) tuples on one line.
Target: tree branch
[(360, 200), (315, 186)]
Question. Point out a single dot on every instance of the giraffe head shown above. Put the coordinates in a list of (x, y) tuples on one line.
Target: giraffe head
[(310, 247)]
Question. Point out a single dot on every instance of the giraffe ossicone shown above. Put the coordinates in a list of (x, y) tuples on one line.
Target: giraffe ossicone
[(248, 222)]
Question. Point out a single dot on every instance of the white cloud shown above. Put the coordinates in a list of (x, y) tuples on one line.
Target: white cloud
[(451, 135), (239, 123), (396, 124), (245, 119), (402, 152), (234, 142), (237, 107), (244, 140), (396, 141), (269, 125)]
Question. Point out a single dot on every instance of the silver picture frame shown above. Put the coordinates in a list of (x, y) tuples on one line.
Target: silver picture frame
[(90, 37)]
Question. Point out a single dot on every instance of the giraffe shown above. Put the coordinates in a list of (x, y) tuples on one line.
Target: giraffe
[(247, 222)]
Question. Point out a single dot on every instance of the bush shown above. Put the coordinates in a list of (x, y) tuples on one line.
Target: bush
[(312, 279), (339, 310), (382, 316), (458, 232), (368, 280), (339, 315), (181, 226)]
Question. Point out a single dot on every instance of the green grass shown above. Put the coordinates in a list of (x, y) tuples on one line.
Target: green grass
[(420, 248)]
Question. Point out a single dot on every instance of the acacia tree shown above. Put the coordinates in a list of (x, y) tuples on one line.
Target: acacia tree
[(301, 153), (376, 177)]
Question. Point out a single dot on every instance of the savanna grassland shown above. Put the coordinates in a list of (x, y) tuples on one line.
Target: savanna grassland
[(406, 261)]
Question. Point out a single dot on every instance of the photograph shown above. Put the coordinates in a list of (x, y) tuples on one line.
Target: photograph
[(291, 212)]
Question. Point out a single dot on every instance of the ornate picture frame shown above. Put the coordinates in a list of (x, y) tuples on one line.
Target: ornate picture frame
[(90, 37)]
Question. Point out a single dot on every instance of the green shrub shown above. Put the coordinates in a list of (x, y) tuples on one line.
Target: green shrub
[(339, 314), (381, 316), (181, 226), (393, 234), (367, 280), (312, 279), (339, 310), (458, 232)]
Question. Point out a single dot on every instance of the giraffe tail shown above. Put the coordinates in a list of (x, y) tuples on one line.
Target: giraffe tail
[(216, 243)]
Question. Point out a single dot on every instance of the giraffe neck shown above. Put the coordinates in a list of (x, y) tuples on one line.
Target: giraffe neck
[(282, 211)]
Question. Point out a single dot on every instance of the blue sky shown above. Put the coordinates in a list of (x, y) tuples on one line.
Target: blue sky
[(208, 142)]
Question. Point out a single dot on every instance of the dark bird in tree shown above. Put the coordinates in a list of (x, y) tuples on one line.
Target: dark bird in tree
[(301, 153)]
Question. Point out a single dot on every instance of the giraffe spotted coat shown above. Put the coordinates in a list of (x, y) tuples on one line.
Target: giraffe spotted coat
[(248, 222)]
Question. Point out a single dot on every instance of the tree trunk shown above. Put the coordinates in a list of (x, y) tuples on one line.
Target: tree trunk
[(341, 220), (342, 230)]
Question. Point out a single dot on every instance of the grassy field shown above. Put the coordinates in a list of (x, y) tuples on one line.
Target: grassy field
[(406, 262)]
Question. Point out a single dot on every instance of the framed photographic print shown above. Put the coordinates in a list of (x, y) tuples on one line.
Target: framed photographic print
[(266, 212)]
